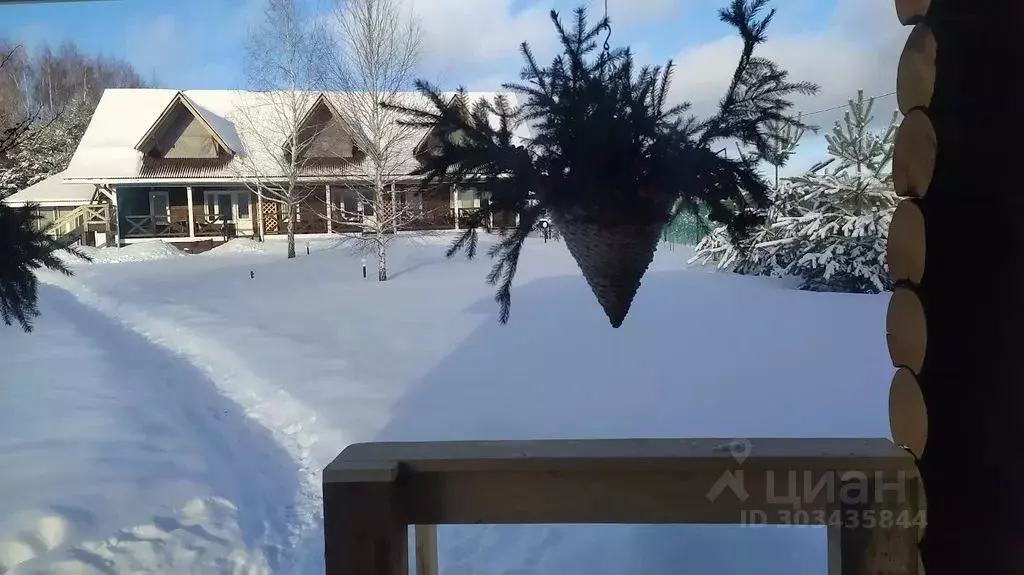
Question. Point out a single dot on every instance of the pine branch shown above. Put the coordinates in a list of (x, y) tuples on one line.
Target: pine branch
[(603, 145)]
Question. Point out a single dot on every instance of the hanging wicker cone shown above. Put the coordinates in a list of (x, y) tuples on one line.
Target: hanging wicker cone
[(613, 259)]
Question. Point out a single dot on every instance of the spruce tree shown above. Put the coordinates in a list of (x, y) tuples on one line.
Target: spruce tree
[(829, 226), (24, 247), (610, 158), (747, 254)]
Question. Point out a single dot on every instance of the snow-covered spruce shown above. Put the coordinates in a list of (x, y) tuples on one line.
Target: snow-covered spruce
[(829, 226)]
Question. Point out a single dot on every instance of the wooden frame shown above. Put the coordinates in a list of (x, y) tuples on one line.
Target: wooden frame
[(236, 202), (373, 492), (180, 99), (157, 217)]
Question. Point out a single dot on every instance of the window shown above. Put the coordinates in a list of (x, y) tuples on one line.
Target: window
[(46, 217), (468, 199), (220, 206), (243, 205), (159, 206), (224, 207)]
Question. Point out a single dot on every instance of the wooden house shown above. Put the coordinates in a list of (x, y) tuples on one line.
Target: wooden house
[(181, 166)]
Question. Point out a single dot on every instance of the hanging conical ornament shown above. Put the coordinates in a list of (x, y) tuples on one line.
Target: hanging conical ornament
[(612, 257)]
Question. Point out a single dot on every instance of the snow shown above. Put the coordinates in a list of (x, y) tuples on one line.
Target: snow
[(140, 252), (209, 390), (52, 191), (237, 246), (245, 120)]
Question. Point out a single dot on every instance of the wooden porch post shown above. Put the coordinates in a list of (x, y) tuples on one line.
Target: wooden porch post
[(394, 210), (327, 194), (455, 206), (115, 217), (262, 217), (191, 213)]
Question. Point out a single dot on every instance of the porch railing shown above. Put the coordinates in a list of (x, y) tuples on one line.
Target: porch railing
[(214, 226), (76, 224), (168, 227), (155, 227), (866, 491)]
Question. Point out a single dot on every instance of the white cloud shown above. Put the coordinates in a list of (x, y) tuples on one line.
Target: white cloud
[(467, 36), (858, 49), (473, 38)]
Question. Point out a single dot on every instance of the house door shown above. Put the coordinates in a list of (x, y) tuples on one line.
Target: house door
[(231, 207)]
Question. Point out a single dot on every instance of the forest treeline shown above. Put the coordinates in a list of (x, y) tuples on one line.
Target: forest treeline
[(56, 88)]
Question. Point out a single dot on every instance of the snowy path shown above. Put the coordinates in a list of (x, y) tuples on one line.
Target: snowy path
[(322, 358), (126, 459)]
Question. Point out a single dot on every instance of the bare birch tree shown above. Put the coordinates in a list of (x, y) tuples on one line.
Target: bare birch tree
[(284, 67), (376, 54)]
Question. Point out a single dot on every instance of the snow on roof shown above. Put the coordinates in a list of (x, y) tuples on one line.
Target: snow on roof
[(53, 191), (251, 123)]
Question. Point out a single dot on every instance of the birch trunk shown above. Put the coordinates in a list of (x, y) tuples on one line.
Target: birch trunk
[(382, 256), (291, 230)]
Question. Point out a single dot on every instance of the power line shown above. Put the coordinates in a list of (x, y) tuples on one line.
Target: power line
[(845, 105)]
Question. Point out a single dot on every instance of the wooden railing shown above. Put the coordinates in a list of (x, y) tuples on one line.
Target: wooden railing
[(155, 227), (308, 225), (87, 218), (865, 490), (214, 226)]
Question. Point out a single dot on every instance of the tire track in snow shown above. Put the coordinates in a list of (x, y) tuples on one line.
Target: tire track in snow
[(288, 420)]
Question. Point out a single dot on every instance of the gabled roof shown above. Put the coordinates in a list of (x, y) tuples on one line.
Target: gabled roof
[(180, 99), (418, 148), (322, 101), (124, 117), (52, 192)]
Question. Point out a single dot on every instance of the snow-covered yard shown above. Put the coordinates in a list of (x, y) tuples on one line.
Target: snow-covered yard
[(171, 414)]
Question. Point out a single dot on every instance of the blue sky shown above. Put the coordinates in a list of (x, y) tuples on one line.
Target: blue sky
[(841, 44)]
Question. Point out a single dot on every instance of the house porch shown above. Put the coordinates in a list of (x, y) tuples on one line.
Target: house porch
[(187, 213)]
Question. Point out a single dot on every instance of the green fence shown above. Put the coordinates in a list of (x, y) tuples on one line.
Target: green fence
[(686, 229)]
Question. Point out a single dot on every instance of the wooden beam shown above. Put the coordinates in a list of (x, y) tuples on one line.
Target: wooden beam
[(364, 527), (911, 12), (455, 205), (908, 416), (906, 329), (616, 481), (915, 73), (874, 537), (191, 212), (866, 490), (330, 216), (426, 549), (914, 153), (905, 249)]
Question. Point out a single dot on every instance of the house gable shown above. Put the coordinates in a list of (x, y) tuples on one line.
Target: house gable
[(324, 134), (181, 132), (430, 144)]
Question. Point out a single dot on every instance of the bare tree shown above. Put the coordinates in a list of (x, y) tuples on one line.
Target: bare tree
[(14, 102), (283, 64), (377, 51)]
